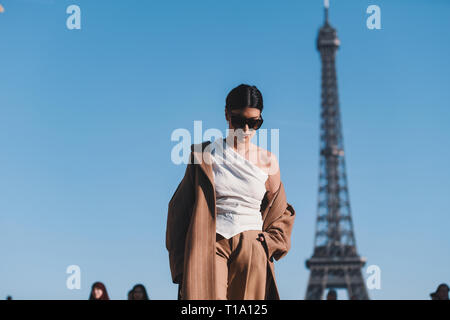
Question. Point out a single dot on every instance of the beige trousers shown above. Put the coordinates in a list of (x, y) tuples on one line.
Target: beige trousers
[(241, 267)]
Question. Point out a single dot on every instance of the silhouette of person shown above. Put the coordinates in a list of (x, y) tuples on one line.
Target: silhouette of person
[(98, 292), (139, 293), (332, 295), (441, 292)]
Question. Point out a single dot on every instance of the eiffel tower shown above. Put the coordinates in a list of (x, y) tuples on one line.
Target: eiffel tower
[(335, 263)]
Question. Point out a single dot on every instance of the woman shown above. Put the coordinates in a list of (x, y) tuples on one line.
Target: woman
[(98, 292), (138, 293), (222, 242)]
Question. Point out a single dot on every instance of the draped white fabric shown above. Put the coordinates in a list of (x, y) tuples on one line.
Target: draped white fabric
[(240, 188)]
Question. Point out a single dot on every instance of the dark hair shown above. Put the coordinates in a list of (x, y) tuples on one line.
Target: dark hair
[(244, 96), (442, 285), (434, 295), (100, 286), (143, 289)]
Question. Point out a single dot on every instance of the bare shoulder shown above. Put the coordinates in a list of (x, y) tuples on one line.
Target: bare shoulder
[(268, 161)]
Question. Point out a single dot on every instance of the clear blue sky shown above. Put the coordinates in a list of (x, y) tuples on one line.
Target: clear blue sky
[(86, 117)]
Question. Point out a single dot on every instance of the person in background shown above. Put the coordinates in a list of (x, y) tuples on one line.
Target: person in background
[(139, 293), (130, 294), (441, 292), (98, 292), (332, 295), (8, 298)]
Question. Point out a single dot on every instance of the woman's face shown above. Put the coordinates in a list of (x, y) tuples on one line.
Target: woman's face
[(98, 293), (245, 134)]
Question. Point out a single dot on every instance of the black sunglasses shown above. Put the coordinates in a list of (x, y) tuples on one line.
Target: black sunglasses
[(239, 122)]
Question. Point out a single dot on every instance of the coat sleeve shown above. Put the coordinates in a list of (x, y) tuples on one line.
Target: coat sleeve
[(178, 219), (277, 237)]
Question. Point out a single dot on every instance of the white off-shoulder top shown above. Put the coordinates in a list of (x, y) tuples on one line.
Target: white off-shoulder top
[(240, 188)]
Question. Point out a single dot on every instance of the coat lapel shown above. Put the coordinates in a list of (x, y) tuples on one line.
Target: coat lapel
[(203, 157), (275, 208)]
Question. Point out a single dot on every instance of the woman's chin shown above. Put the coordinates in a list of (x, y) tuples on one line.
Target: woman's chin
[(244, 138)]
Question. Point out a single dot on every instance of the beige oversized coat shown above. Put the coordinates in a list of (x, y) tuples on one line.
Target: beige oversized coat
[(191, 230)]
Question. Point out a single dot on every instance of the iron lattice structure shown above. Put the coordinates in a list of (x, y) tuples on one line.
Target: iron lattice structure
[(335, 263)]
